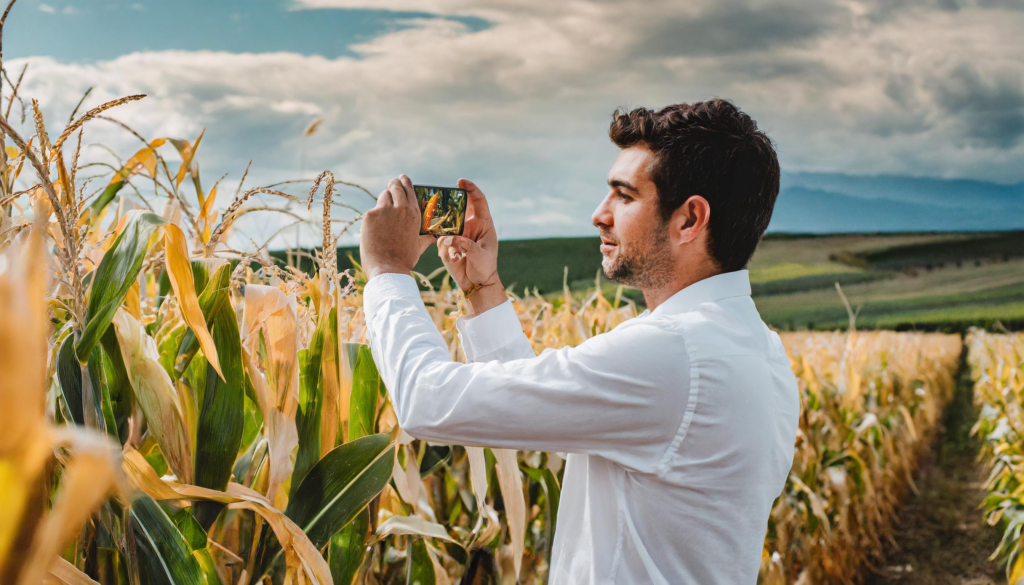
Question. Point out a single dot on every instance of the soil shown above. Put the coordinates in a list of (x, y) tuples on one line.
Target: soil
[(941, 536)]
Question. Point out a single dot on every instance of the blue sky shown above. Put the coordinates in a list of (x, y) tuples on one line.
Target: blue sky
[(517, 94)]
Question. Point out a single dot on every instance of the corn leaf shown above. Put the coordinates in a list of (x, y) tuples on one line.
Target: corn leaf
[(188, 152), (114, 276), (117, 386), (302, 557), (180, 271), (69, 378), (215, 296), (155, 394), (347, 550), (420, 568), (510, 480), (68, 574), (311, 397), (164, 553), (337, 488), (366, 385), (412, 525), (552, 492), (330, 412), (221, 416)]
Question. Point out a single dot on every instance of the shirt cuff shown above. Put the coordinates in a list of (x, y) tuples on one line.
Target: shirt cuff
[(489, 331), (385, 287)]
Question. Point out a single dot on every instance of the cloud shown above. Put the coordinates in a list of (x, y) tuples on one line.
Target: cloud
[(551, 217), (521, 106), (47, 8)]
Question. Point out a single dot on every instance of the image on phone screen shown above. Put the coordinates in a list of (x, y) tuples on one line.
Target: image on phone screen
[(443, 209)]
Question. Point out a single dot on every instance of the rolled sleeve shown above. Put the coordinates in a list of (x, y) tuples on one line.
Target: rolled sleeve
[(489, 331)]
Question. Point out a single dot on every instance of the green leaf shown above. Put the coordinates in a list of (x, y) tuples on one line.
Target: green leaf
[(366, 384), (307, 418), (165, 556), (221, 416), (105, 197), (114, 276), (420, 568), (118, 386), (69, 376), (336, 489), (196, 537), (347, 550), (434, 457), (547, 478)]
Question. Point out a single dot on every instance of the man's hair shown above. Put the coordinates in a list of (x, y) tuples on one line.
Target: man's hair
[(714, 150)]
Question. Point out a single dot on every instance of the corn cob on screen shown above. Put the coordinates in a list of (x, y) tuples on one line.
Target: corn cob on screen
[(443, 210)]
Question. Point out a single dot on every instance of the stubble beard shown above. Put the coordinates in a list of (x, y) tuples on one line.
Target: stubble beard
[(643, 269)]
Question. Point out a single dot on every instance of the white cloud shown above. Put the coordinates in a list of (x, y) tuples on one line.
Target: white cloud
[(551, 217), (47, 8), (522, 106)]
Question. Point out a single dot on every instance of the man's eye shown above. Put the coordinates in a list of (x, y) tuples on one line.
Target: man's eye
[(625, 197)]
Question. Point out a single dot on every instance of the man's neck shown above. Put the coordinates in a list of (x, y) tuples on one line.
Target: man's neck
[(658, 294)]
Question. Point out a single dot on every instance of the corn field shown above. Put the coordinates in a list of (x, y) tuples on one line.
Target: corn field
[(997, 368), (176, 411)]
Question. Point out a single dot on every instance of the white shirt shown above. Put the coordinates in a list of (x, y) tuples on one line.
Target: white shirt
[(680, 423)]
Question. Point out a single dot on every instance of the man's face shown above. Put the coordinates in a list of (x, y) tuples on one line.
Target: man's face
[(634, 238)]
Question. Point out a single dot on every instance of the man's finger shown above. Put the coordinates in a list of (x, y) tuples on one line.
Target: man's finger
[(397, 193), (410, 192), (476, 199), (384, 199)]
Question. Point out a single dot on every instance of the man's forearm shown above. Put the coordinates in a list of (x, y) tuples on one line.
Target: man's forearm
[(485, 298)]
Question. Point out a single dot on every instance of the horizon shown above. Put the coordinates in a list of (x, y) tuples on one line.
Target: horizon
[(870, 106)]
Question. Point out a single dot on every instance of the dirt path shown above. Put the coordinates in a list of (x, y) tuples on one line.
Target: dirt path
[(941, 537)]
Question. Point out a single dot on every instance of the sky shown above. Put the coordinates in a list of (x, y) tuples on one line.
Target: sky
[(872, 104)]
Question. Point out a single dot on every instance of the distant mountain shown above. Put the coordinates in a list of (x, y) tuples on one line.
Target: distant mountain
[(832, 202)]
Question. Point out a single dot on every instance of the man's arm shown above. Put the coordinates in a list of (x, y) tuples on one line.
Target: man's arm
[(611, 396)]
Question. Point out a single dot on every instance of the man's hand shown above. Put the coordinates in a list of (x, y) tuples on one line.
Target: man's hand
[(472, 259), (390, 239)]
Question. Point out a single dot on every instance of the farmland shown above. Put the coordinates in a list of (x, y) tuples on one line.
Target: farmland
[(944, 282), (177, 411)]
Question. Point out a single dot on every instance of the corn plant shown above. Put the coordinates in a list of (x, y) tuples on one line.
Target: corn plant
[(997, 368), (234, 427)]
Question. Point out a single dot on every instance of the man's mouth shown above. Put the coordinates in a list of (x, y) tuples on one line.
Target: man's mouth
[(607, 245)]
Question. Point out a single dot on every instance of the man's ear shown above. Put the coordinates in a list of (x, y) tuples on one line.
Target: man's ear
[(690, 220)]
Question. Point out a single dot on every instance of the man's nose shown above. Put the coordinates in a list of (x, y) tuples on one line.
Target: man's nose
[(602, 216)]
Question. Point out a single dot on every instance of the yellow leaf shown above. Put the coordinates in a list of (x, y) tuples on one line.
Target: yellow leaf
[(155, 393), (12, 152), (186, 159), (510, 480), (269, 309), (132, 302), (1018, 570), (180, 272), (68, 574), (204, 213)]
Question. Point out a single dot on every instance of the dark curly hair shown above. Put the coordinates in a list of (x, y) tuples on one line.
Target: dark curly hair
[(714, 150)]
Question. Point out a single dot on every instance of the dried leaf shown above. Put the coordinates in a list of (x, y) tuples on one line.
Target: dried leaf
[(510, 480), (179, 269), (412, 525), (155, 394)]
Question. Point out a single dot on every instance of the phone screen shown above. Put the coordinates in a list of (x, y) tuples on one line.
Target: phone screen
[(443, 209)]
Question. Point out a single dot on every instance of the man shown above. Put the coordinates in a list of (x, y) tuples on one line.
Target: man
[(679, 424)]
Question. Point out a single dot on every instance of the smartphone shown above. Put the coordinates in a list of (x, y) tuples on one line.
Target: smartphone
[(442, 209)]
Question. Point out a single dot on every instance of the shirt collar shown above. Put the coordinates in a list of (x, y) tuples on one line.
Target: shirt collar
[(711, 289)]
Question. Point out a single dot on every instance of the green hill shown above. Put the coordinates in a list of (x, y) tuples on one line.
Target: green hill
[(932, 281)]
